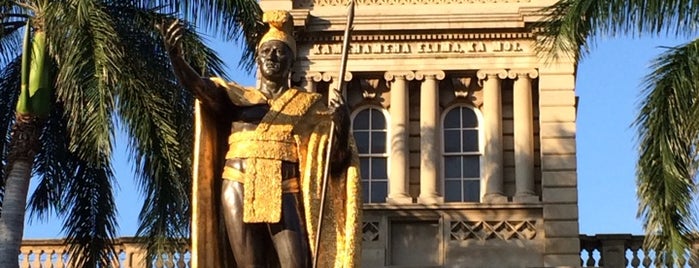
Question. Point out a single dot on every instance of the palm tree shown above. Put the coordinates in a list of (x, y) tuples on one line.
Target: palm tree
[(668, 120), (85, 67)]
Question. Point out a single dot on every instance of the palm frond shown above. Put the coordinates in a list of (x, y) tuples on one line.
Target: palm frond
[(10, 40), (570, 26), (89, 58), (91, 220), (669, 135), (234, 19), (88, 53), (12, 19), (673, 17), (567, 27), (157, 114), (9, 89), (53, 164)]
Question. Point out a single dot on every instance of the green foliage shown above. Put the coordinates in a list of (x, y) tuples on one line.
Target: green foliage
[(107, 64), (219, 16), (667, 122), (9, 88), (669, 133), (570, 26)]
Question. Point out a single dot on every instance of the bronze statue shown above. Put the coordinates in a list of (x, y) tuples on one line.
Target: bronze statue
[(259, 165)]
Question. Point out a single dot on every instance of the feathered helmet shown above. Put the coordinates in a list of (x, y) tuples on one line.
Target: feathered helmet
[(281, 28)]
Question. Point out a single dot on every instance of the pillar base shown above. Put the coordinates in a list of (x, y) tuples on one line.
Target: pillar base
[(495, 198), (400, 199), (525, 198), (429, 200)]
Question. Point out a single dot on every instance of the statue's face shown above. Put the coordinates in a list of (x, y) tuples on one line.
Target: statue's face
[(274, 59)]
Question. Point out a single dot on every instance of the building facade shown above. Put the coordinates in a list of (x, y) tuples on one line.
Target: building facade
[(466, 137)]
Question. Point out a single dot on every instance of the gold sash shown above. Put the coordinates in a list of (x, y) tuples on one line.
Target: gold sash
[(264, 150)]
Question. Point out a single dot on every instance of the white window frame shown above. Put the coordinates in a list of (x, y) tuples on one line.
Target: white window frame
[(386, 154), (480, 153)]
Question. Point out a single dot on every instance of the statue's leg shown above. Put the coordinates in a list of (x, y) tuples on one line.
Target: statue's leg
[(246, 239), (289, 235)]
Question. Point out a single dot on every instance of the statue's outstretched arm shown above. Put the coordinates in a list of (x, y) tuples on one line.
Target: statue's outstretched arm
[(203, 89)]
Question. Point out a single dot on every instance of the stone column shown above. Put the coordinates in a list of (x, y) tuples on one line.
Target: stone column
[(398, 169), (430, 130), (523, 135), (492, 113)]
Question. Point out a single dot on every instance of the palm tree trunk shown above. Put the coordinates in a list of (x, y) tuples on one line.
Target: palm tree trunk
[(23, 148)]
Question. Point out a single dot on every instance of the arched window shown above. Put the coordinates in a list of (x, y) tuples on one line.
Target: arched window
[(370, 129), (461, 155)]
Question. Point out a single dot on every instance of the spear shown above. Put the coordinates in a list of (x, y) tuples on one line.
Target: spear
[(337, 93)]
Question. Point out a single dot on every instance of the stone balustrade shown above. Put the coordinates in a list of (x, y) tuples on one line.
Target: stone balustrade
[(623, 250), (602, 250), (36, 253)]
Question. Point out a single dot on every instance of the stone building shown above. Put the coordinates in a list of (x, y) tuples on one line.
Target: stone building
[(466, 137)]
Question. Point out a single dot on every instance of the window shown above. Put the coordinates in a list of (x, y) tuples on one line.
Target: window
[(369, 128), (461, 155)]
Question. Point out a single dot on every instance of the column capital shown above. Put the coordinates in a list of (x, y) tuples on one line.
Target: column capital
[(330, 76), (485, 73), (515, 73), (392, 75), (437, 74), (309, 76)]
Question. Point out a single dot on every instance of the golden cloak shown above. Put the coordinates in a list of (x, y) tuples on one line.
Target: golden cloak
[(340, 236)]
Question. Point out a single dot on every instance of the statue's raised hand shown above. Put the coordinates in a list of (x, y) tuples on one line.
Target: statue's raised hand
[(172, 36)]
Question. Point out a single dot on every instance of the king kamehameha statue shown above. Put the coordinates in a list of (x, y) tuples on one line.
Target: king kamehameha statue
[(260, 162)]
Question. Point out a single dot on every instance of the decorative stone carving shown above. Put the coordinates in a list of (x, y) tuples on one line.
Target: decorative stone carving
[(514, 73), (331, 76), (484, 73), (306, 80), (369, 87), (461, 85), (370, 231), (314, 76), (439, 75), (392, 75), (463, 90), (487, 230), (298, 77)]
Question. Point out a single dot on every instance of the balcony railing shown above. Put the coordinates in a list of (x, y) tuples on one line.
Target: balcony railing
[(604, 250), (36, 253), (624, 250)]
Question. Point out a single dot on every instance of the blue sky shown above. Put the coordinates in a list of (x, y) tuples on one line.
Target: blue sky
[(608, 84)]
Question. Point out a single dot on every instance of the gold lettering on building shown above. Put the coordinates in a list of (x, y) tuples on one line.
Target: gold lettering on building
[(442, 47)]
